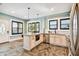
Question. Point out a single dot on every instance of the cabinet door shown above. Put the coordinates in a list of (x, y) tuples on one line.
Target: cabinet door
[(42, 37), (60, 40), (32, 42), (63, 40), (52, 39), (26, 42), (57, 40)]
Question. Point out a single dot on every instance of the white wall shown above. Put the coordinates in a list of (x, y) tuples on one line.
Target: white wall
[(4, 36), (6, 20)]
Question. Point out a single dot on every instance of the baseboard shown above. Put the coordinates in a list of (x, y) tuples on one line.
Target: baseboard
[(59, 46), (15, 40), (55, 45)]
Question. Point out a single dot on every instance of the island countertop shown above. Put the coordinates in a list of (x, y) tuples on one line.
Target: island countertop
[(31, 34)]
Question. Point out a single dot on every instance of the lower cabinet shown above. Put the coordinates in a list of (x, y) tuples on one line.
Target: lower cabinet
[(59, 40), (31, 41)]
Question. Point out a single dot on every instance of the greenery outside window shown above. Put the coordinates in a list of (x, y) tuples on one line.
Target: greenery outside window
[(34, 27)]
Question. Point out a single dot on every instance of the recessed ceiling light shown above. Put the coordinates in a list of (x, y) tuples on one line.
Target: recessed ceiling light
[(12, 11), (25, 16), (52, 9)]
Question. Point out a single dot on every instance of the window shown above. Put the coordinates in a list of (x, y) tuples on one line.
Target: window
[(37, 29), (34, 27), (29, 27), (64, 23), (17, 27), (53, 24)]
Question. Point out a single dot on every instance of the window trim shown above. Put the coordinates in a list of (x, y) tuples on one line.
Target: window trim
[(17, 27), (61, 24), (56, 25), (35, 23), (29, 24)]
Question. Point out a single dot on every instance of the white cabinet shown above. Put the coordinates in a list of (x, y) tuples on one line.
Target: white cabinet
[(30, 41), (59, 40), (26, 42)]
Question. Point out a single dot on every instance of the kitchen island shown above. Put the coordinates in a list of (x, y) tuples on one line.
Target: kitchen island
[(32, 40)]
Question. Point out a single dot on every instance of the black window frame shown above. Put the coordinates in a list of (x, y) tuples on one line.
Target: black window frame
[(64, 24), (34, 23), (37, 27), (29, 24), (56, 25), (17, 27)]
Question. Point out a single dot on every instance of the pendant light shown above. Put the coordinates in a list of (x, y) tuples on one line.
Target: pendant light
[(28, 12), (37, 15)]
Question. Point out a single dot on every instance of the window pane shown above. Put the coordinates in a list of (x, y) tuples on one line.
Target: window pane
[(34, 27), (29, 27), (53, 24), (37, 26), (20, 25), (20, 30), (64, 26), (14, 24), (17, 27), (14, 30), (64, 23)]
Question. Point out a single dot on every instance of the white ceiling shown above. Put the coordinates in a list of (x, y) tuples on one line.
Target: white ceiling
[(43, 9)]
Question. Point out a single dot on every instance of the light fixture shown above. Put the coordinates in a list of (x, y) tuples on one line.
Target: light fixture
[(24, 16), (12, 11), (52, 9), (28, 12), (37, 15)]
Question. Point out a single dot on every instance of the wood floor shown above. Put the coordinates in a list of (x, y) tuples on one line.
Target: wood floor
[(16, 49), (77, 52)]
